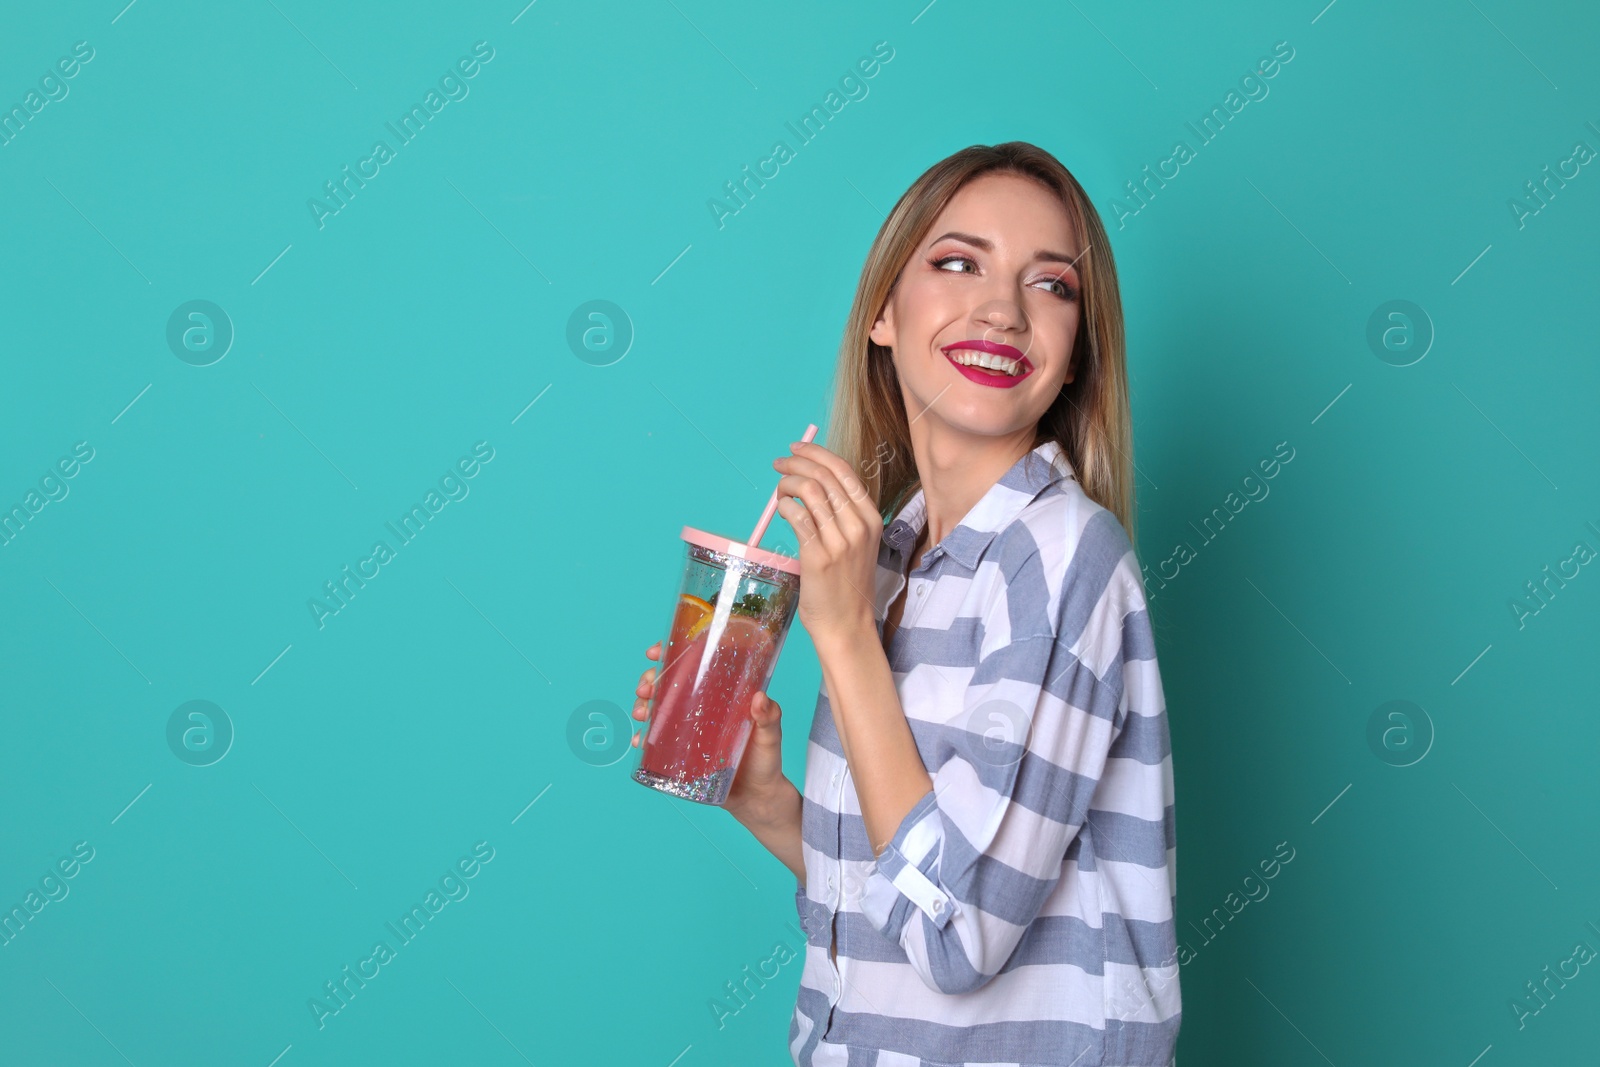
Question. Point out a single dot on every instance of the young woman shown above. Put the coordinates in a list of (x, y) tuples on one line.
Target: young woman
[(984, 847)]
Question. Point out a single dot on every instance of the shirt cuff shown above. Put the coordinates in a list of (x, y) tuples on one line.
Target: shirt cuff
[(903, 875)]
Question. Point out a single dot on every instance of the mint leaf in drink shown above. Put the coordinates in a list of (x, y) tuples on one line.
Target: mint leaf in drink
[(750, 604)]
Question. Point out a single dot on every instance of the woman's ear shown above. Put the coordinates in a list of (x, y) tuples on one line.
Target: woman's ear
[(882, 332)]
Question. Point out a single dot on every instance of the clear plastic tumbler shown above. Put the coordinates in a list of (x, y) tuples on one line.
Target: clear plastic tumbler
[(729, 622)]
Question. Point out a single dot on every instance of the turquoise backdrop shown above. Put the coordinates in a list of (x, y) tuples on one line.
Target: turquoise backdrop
[(240, 343)]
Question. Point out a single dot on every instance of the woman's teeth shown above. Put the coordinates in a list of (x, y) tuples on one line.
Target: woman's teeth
[(987, 360)]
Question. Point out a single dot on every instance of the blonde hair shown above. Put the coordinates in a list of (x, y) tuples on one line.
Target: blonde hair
[(1091, 420)]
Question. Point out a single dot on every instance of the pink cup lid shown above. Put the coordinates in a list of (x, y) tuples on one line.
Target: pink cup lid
[(738, 548)]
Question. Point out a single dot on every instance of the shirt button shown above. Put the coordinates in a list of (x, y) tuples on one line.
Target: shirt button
[(921, 589), (938, 907)]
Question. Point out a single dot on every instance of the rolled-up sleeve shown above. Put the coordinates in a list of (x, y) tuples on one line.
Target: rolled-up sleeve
[(972, 863), (906, 872)]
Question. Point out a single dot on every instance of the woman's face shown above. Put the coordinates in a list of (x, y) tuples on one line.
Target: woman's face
[(997, 271)]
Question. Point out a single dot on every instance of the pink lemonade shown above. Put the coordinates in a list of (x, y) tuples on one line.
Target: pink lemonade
[(701, 715), (734, 608)]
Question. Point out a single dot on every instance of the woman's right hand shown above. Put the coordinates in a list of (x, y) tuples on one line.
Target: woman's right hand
[(645, 689), (759, 786)]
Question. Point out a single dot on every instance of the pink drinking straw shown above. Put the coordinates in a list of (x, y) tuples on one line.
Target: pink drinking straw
[(772, 504)]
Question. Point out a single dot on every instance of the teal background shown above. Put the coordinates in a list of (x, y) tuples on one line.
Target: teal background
[(433, 711)]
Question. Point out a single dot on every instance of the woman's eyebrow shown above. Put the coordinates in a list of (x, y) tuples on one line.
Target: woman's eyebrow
[(988, 246)]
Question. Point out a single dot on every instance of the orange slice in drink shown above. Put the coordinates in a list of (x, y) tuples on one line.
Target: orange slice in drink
[(692, 616)]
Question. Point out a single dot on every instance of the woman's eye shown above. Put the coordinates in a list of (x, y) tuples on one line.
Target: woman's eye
[(1057, 285)]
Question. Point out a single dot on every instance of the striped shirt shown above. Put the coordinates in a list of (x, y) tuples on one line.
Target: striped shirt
[(1023, 912)]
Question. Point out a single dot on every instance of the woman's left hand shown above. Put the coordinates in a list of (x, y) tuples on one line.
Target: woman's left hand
[(839, 528)]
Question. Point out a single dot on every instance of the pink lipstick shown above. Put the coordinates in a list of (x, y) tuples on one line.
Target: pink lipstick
[(998, 378)]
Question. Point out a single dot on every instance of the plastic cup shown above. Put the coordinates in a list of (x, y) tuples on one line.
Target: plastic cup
[(729, 622)]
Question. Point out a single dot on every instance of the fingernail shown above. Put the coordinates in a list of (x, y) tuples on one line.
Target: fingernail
[(794, 446)]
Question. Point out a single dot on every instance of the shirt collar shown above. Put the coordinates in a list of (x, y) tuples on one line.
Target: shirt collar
[(1036, 471)]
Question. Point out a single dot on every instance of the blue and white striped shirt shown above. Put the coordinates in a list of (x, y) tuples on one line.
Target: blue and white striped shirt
[(1023, 913)]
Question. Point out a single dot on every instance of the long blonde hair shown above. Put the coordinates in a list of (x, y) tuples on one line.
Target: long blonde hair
[(868, 426)]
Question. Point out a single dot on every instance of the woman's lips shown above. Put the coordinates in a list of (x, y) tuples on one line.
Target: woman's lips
[(983, 376)]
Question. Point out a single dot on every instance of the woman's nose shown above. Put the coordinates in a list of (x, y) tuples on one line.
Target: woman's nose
[(997, 314)]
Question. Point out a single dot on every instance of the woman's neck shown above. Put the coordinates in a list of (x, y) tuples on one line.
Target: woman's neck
[(955, 474)]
